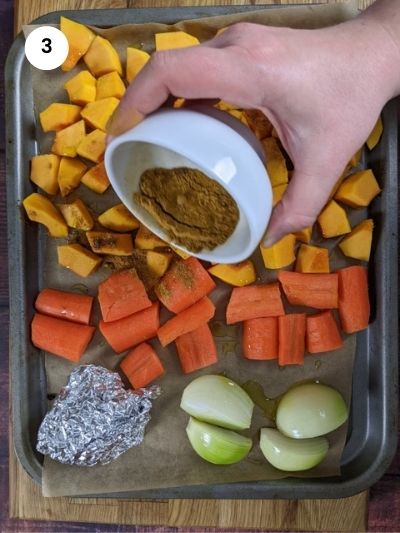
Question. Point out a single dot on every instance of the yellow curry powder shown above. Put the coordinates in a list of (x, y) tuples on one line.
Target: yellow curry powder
[(195, 211)]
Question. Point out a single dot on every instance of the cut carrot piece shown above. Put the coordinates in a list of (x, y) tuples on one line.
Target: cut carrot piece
[(142, 366), (292, 331), (122, 294), (188, 320), (256, 301), (311, 290), (322, 333), (260, 338), (60, 337), (185, 283), (131, 330), (354, 307), (196, 349), (67, 305)]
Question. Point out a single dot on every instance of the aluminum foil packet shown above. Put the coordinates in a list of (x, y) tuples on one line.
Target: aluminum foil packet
[(95, 419)]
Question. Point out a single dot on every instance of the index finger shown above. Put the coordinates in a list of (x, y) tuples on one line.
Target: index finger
[(196, 72)]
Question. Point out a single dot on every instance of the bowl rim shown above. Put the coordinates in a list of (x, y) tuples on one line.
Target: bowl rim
[(162, 142)]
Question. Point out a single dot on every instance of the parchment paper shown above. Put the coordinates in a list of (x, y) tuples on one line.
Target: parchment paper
[(165, 459)]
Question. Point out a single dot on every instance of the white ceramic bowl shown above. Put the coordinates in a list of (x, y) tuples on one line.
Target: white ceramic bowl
[(220, 146)]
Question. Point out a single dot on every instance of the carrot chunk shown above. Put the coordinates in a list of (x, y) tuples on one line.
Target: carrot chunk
[(322, 333), (186, 282), (142, 366), (354, 306), (60, 337), (256, 301), (66, 305), (186, 321), (132, 330), (292, 330), (196, 349), (122, 294), (260, 338), (311, 290)]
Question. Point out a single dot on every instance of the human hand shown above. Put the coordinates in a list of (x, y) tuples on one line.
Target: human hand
[(322, 90)]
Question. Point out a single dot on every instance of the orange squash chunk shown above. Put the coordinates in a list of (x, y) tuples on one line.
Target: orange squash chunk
[(67, 140), (79, 38), (102, 58)]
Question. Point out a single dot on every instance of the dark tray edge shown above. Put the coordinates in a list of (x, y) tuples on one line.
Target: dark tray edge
[(309, 488)]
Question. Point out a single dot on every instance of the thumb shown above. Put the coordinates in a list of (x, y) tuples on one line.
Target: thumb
[(302, 202)]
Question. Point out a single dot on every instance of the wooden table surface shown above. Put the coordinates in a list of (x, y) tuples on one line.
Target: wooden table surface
[(25, 498)]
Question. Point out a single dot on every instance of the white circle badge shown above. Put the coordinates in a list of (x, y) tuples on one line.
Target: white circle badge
[(46, 48)]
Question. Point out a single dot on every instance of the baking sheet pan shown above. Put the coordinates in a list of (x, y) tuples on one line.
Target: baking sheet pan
[(372, 434)]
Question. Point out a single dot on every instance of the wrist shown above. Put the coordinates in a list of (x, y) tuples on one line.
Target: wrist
[(382, 22)]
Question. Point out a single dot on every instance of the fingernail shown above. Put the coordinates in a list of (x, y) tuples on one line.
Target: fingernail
[(268, 241), (122, 120)]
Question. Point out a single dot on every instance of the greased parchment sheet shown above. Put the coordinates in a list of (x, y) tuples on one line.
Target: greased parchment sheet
[(165, 458)]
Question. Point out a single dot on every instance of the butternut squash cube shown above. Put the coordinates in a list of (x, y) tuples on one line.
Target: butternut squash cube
[(222, 105), (93, 146), (79, 38), (359, 189), (258, 123), (40, 209), (135, 61), (110, 85), (44, 172), (240, 115), (304, 235), (158, 262), (357, 244), (98, 113), (69, 174), (312, 259), (81, 88), (375, 135), (356, 158), (59, 116), (96, 179), (275, 162), (281, 254), (102, 58), (178, 103), (66, 141), (77, 215), (237, 275), (76, 258), (181, 253), (278, 192), (110, 243), (146, 240), (333, 220), (118, 218), (174, 39)]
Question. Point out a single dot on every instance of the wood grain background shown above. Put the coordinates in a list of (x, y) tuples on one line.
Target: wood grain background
[(384, 502)]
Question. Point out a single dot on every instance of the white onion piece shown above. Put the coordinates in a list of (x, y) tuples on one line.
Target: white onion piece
[(292, 455), (217, 445), (218, 400), (310, 410)]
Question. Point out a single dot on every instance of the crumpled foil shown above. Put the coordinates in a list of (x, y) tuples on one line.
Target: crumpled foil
[(95, 419)]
